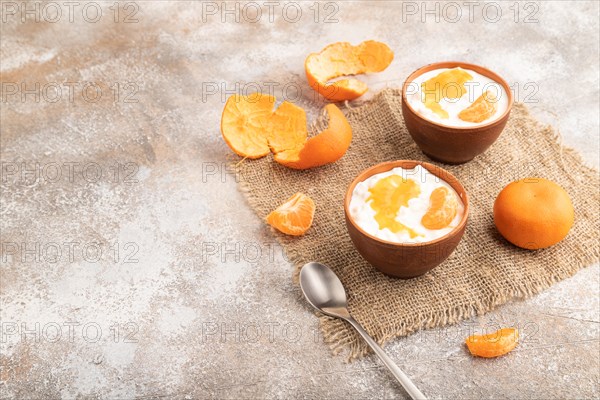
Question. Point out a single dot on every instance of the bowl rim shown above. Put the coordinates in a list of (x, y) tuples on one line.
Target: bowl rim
[(367, 173), (453, 64)]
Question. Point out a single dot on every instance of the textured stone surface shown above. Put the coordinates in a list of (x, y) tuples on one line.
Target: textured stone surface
[(191, 294)]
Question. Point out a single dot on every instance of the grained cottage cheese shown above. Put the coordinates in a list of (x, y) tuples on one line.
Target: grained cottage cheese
[(364, 215), (475, 88)]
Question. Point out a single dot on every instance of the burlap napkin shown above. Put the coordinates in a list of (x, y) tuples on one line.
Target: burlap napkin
[(484, 271)]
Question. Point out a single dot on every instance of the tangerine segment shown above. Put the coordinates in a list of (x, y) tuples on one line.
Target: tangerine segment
[(326, 147), (243, 124), (342, 59), (481, 109), (449, 84), (443, 206), (493, 344), (387, 196), (533, 213), (286, 127), (293, 217)]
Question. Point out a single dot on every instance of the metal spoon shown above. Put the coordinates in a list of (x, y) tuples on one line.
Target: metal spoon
[(324, 291)]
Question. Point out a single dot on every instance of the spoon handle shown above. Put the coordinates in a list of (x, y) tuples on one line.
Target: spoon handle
[(402, 378)]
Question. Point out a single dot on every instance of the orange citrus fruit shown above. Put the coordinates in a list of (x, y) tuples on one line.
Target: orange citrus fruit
[(293, 217), (252, 129), (342, 59), (443, 206), (493, 344), (326, 147), (533, 213), (484, 107)]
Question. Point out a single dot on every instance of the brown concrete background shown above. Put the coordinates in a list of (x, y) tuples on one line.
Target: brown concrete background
[(132, 267)]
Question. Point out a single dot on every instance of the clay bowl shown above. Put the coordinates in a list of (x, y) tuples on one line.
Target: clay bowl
[(405, 260), (453, 145)]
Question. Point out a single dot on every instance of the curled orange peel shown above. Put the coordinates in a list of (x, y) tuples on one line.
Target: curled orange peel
[(243, 123), (343, 59), (252, 129), (325, 148)]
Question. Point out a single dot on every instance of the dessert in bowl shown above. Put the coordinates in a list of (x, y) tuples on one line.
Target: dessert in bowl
[(454, 111), (405, 217)]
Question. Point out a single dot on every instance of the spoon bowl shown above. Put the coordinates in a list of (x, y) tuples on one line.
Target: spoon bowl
[(323, 290)]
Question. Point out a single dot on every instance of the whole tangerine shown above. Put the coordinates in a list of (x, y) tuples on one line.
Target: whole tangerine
[(533, 213)]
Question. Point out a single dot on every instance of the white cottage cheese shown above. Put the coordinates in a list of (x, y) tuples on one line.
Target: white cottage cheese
[(364, 215), (453, 107)]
